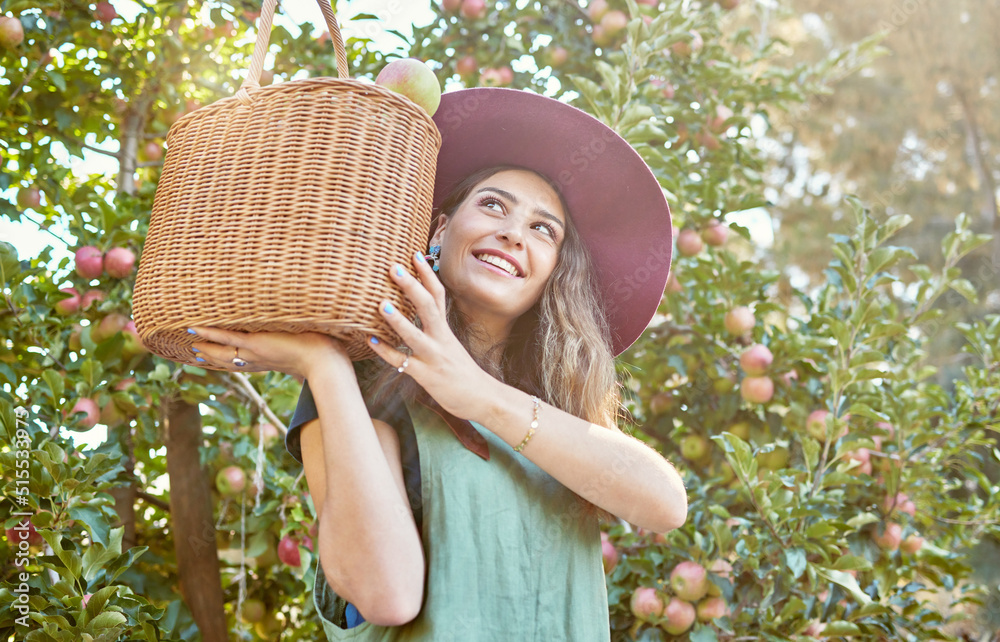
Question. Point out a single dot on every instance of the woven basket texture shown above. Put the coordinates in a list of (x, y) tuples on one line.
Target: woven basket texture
[(286, 214)]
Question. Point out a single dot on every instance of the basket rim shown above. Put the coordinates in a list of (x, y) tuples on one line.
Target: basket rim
[(261, 93)]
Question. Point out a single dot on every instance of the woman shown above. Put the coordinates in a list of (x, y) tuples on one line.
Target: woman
[(458, 485)]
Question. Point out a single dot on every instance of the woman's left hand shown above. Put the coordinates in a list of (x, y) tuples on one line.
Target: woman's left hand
[(438, 361)]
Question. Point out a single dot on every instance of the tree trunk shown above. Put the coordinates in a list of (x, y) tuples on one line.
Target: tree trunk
[(191, 513), (125, 495), (991, 209)]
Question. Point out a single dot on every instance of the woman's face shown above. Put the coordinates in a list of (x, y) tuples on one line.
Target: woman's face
[(500, 246)]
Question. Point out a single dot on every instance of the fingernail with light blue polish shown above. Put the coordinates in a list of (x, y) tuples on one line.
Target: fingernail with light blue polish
[(199, 359), (421, 257), (389, 309), (190, 331), (399, 270), (193, 349), (375, 340)]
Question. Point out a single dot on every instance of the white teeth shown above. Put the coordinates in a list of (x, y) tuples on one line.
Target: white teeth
[(503, 264)]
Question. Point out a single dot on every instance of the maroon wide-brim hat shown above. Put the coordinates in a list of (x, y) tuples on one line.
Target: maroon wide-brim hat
[(614, 200)]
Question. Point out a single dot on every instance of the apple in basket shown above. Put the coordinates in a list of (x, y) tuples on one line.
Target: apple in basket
[(413, 79)]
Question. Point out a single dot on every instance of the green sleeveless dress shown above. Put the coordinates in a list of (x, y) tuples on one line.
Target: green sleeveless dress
[(510, 554)]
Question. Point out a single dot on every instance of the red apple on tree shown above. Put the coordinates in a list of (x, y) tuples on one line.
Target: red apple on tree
[(556, 56), (153, 151), (473, 9), (288, 548), (89, 262), (11, 32), (133, 343), (413, 79), (70, 304), (756, 359), (689, 243), (119, 262), (901, 502), (24, 532), (467, 66), (680, 616), (596, 9), (105, 12), (739, 321), (694, 448), (29, 198), (609, 553), (601, 37), (711, 608), (75, 339), (231, 481), (269, 432), (90, 297), (88, 406), (757, 389), (646, 604), (888, 538), (715, 234), (614, 22), (911, 544), (689, 580), (108, 327)]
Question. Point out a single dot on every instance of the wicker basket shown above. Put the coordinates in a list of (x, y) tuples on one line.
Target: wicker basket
[(283, 209)]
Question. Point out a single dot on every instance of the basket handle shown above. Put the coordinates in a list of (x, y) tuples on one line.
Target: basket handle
[(252, 80)]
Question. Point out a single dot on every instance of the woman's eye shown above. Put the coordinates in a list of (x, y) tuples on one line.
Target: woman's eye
[(548, 229), (488, 201)]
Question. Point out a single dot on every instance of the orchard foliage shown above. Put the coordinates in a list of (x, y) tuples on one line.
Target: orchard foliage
[(797, 528)]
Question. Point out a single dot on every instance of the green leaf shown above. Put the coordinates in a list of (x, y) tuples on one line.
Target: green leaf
[(96, 522), (840, 627), (795, 558), (966, 289), (57, 79), (97, 601), (894, 224), (852, 563), (846, 581), (819, 530), (107, 620), (737, 452), (703, 633), (55, 383)]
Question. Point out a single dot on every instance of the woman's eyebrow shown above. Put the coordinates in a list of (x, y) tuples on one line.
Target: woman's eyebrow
[(513, 199)]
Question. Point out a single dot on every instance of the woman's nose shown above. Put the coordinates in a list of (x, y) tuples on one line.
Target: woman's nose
[(511, 234)]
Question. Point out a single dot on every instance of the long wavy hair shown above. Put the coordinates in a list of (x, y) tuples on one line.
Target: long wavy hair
[(558, 350)]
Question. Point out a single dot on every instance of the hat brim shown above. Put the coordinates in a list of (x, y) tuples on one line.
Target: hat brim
[(614, 200)]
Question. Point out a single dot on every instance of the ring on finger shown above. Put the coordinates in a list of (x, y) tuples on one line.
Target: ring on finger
[(239, 363), (402, 366)]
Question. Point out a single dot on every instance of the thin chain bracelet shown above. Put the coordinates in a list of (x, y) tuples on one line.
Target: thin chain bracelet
[(534, 424)]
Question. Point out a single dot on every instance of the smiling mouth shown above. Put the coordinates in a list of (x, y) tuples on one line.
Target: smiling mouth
[(501, 263)]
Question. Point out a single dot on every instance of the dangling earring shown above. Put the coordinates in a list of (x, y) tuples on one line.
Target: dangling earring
[(434, 258)]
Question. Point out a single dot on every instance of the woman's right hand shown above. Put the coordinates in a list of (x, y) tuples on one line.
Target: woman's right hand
[(294, 354)]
